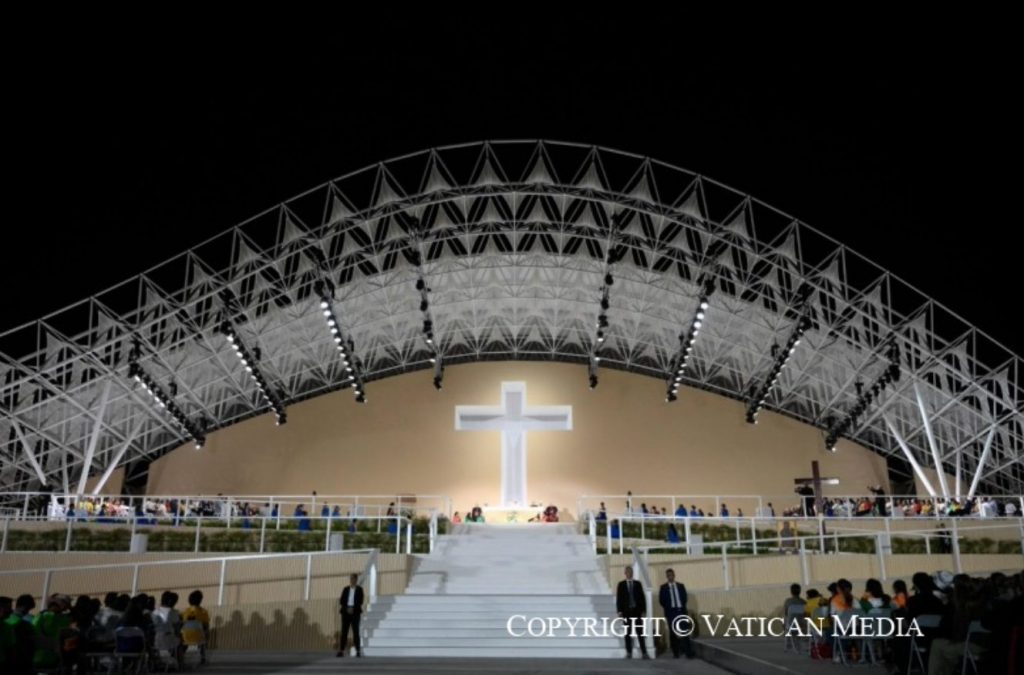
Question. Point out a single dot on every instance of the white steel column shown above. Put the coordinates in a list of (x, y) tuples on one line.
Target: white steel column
[(931, 442), (910, 457), (981, 462), (28, 451), (90, 449)]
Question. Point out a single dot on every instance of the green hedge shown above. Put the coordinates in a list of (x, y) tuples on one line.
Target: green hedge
[(214, 540)]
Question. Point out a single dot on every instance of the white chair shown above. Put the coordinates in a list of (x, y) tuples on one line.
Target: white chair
[(838, 642), (973, 630), (795, 618), (870, 645), (918, 652)]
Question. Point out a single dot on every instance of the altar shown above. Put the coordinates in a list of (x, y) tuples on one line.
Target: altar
[(496, 515)]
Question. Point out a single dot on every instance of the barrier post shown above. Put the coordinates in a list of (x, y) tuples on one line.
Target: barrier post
[(408, 538), (7, 527), (881, 557), (67, 538), (309, 574), (804, 573), (753, 533), (327, 536), (220, 584), (199, 521), (725, 567), (956, 548), (263, 533)]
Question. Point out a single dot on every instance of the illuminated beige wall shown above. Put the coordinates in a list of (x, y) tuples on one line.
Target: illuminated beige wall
[(625, 437), (113, 485)]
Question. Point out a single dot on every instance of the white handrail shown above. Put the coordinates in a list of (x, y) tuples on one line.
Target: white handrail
[(222, 577), (133, 522), (640, 567)]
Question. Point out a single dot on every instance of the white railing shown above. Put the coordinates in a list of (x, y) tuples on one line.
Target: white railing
[(371, 569), (265, 523), (640, 567), (795, 504), (937, 531), (227, 507)]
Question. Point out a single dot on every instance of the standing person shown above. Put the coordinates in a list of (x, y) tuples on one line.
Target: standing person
[(631, 604), (351, 602), (672, 598)]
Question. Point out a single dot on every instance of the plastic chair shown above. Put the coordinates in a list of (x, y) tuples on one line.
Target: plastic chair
[(973, 630), (130, 649), (194, 638), (918, 652), (868, 645)]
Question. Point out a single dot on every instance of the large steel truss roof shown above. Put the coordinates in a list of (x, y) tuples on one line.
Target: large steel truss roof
[(513, 238)]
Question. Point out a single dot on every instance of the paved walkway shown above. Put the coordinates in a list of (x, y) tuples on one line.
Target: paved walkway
[(280, 663)]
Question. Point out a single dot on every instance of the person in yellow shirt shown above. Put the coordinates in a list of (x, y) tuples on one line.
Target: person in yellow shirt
[(196, 612)]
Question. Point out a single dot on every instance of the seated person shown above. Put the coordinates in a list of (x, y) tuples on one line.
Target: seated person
[(551, 514), (899, 594), (874, 597), (815, 602), (842, 600), (456, 518), (602, 513), (196, 614), (681, 511), (167, 625)]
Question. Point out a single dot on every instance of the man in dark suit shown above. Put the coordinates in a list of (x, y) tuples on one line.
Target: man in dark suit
[(631, 604), (351, 602), (672, 597)]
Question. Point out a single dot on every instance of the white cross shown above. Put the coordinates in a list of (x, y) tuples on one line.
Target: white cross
[(513, 419)]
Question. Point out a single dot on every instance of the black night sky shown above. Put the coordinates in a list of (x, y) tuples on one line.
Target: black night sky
[(122, 155)]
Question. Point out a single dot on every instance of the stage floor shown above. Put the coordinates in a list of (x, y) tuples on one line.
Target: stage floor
[(279, 663)]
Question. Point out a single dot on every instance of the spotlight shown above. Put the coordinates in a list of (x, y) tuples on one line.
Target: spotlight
[(360, 398), (600, 336), (420, 285), (282, 419), (437, 383), (327, 312), (605, 304), (671, 397), (331, 322), (608, 280), (593, 381), (324, 304), (424, 305)]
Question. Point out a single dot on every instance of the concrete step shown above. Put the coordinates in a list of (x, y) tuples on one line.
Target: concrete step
[(477, 632), (524, 642), (480, 615), (584, 651), (393, 623), (510, 599)]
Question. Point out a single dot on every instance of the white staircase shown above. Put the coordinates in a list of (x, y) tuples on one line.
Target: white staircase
[(461, 596)]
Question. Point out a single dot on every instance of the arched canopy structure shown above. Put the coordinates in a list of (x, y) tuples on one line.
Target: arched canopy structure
[(515, 242)]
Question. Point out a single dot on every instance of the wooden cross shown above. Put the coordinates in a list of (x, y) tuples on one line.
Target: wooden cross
[(816, 481)]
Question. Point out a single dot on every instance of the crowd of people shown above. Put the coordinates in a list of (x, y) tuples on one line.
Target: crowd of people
[(876, 504), (996, 601), (851, 507), (90, 635)]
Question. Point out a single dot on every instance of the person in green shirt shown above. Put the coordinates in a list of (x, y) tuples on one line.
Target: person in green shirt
[(49, 625)]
